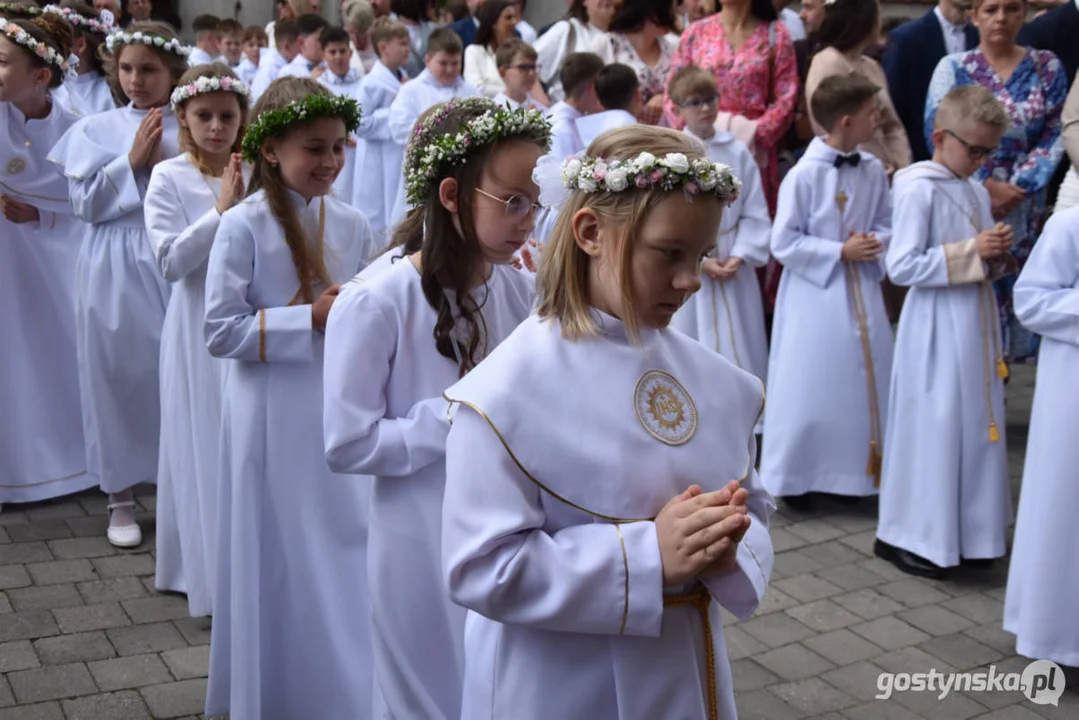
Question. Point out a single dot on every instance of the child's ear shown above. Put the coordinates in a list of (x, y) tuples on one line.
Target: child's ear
[(586, 231), (502, 73), (677, 111), (447, 195), (938, 137)]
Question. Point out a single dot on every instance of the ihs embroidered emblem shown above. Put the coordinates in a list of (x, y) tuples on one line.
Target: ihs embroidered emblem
[(16, 166), (665, 408)]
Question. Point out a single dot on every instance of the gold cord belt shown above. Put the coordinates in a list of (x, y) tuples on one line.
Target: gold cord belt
[(876, 443), (990, 328), (700, 598)]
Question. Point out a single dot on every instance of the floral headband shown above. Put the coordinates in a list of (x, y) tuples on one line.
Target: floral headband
[(671, 172), (77, 20), (19, 36), (273, 122), (117, 40), (429, 154), (207, 84), (19, 10)]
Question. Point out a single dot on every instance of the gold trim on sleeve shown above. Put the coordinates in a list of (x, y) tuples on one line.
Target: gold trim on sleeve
[(963, 264), (114, 189), (625, 565), (262, 334)]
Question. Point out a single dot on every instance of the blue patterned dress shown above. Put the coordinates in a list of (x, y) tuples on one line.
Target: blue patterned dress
[(1028, 154)]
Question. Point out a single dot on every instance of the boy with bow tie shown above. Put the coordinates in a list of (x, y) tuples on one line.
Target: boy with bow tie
[(831, 354)]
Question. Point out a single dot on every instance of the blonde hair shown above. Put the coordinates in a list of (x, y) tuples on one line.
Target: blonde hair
[(690, 81), (187, 142), (175, 64), (971, 102), (562, 285)]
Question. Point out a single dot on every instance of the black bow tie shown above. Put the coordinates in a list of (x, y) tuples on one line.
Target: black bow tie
[(853, 159)]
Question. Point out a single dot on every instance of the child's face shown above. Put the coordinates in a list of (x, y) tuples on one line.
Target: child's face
[(394, 52), (144, 77), (213, 120), (862, 125), (232, 47), (252, 50), (699, 112), (503, 205), (520, 76), (289, 49), (965, 148), (311, 47), (18, 78), (444, 66), (338, 55), (310, 156), (666, 257)]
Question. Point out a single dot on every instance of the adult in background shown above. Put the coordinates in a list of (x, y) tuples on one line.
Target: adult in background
[(801, 131), (498, 19), (791, 19), (414, 14), (357, 16), (751, 55), (524, 29), (639, 37), (1069, 190), (584, 21), (688, 12), (467, 27), (291, 10), (139, 10), (1058, 32), (1031, 86), (911, 55)]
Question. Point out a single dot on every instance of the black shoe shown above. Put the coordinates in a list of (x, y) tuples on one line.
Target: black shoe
[(848, 500), (800, 503), (978, 563), (907, 561)]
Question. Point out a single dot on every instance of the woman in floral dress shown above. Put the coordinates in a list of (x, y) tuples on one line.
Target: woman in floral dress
[(1032, 87)]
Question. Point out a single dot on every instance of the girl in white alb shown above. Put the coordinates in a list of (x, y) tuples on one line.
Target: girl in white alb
[(121, 297), (87, 91), (395, 343), (42, 453), (593, 525), (291, 635), (184, 202)]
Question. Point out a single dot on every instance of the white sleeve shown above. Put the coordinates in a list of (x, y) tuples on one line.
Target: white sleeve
[(375, 120), (236, 329), (755, 224), (604, 47), (499, 561), (549, 49), (179, 247), (814, 258), (479, 67), (910, 261), (881, 226), (1046, 297), (360, 437), (403, 115)]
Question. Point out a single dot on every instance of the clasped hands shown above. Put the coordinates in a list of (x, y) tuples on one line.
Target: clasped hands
[(699, 532), (861, 247), (721, 270)]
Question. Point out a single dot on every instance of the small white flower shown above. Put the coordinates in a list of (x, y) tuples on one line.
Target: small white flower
[(617, 181), (677, 162), (572, 167), (586, 184), (646, 160)]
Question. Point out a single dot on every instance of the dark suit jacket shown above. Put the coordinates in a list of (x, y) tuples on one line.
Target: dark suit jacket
[(1058, 32), (467, 29), (910, 57)]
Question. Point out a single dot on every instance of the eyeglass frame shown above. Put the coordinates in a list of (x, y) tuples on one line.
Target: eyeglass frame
[(699, 103), (533, 208), (976, 152), (525, 67)]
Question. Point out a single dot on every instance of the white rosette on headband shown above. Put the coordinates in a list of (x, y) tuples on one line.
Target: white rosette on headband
[(547, 175)]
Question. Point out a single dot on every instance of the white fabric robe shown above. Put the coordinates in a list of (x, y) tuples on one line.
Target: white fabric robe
[(567, 614), (42, 453), (270, 66), (291, 626), (565, 140), (817, 420), (728, 317), (412, 100), (590, 127), (86, 94), (530, 103), (385, 417), (383, 157), (246, 70), (181, 220), (347, 187), (121, 296), (299, 67), (199, 56), (944, 486), (561, 39), (1043, 579)]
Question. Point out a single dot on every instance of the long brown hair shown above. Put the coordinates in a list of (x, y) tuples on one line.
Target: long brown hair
[(310, 266), (52, 31), (187, 142), (175, 64)]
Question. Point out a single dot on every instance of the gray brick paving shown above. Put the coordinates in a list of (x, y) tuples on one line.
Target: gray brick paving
[(84, 635)]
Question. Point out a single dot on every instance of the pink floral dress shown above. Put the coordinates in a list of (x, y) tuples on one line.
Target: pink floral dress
[(758, 81)]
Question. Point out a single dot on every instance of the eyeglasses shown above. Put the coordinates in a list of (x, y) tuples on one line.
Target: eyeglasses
[(699, 103), (976, 152), (526, 68), (517, 206)]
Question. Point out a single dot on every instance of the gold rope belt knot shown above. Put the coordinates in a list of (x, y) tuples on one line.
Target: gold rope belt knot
[(700, 598)]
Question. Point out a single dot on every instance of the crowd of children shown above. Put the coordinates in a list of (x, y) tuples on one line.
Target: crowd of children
[(286, 285)]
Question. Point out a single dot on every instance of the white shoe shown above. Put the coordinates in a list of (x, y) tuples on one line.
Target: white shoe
[(124, 536)]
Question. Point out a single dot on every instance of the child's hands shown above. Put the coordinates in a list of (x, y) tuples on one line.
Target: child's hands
[(695, 529), (861, 247), (147, 141), (18, 212), (232, 185), (320, 309), (729, 557), (995, 242), (529, 256), (1004, 197), (721, 270)]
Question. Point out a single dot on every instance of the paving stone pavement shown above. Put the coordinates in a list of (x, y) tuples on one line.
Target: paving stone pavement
[(84, 635)]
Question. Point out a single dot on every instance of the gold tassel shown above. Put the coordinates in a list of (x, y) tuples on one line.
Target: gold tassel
[(994, 434), (875, 463), (1002, 369)]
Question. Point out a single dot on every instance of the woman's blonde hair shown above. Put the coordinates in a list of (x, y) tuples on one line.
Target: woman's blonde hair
[(562, 285), (310, 266), (187, 142)]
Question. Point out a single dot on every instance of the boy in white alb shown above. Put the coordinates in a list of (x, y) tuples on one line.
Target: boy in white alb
[(516, 62), (727, 314), (944, 495), (254, 47), (619, 93), (578, 77), (206, 49), (382, 156), (344, 80), (831, 351), (287, 39), (310, 57), (1043, 577)]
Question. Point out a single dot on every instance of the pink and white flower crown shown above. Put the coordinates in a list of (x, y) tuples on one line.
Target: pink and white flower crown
[(208, 84), (19, 36), (77, 20)]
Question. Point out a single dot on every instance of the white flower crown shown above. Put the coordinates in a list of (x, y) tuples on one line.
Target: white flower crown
[(77, 20), (117, 40), (670, 172), (19, 36), (208, 84)]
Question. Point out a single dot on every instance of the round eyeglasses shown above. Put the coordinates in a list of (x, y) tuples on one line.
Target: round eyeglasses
[(517, 206)]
